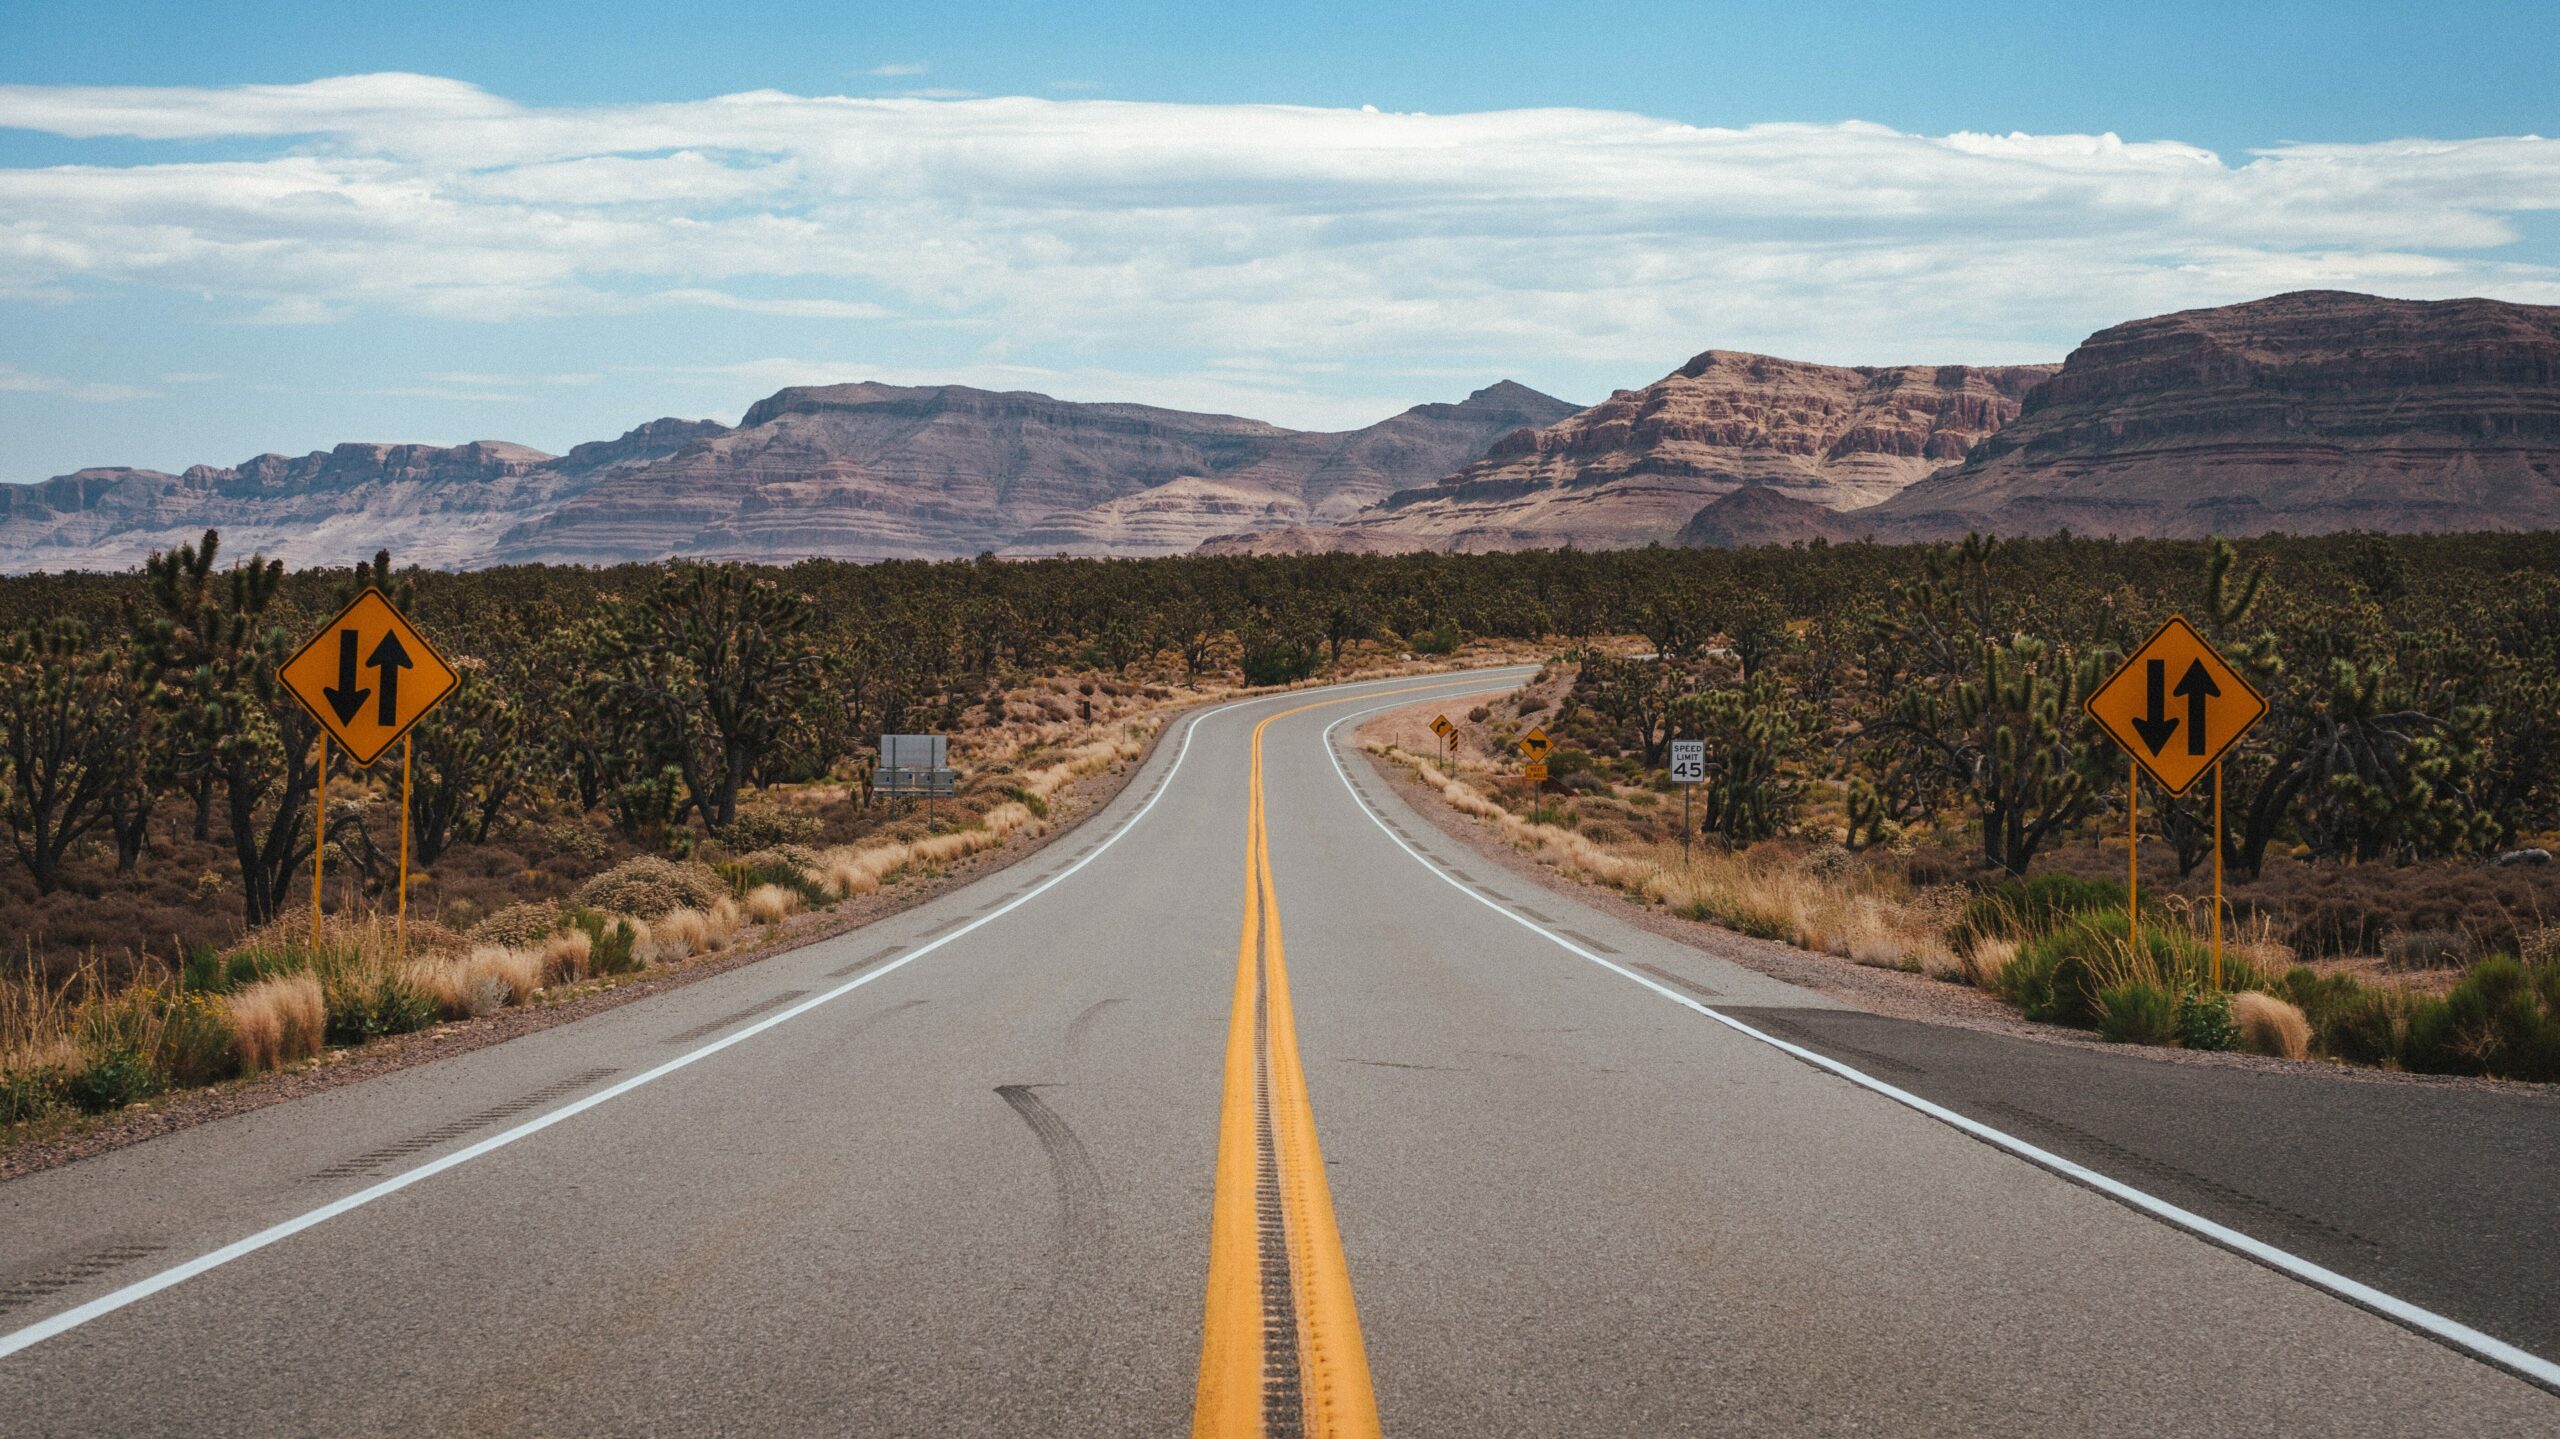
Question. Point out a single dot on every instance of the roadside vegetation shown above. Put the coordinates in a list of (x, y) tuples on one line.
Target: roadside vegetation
[(647, 764)]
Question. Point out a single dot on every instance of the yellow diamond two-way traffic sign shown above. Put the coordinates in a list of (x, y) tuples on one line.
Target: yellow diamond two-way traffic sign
[(2176, 705), (367, 676)]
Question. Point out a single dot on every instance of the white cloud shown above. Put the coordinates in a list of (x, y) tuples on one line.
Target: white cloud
[(1294, 237), (22, 382), (897, 67)]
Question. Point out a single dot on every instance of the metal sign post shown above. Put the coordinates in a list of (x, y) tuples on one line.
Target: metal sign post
[(369, 638), (2175, 743), (1688, 767)]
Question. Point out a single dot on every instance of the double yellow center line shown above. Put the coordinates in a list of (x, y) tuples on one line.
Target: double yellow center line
[(1280, 1353)]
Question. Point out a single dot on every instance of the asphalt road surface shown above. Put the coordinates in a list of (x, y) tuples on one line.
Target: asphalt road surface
[(1258, 1107)]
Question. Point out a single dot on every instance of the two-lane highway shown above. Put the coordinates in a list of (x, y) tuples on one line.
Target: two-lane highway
[(1254, 1107)]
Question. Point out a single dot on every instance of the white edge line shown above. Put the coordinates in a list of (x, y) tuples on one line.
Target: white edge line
[(141, 1289), (2449, 1331)]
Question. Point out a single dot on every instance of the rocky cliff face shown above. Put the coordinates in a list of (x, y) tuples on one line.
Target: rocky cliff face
[(1633, 469), (2307, 413), (1313, 478), (433, 505), (855, 471)]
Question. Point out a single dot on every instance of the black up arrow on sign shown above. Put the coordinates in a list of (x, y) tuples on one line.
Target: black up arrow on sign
[(2196, 685), (390, 659)]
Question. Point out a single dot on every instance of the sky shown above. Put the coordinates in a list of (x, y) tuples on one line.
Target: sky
[(229, 229)]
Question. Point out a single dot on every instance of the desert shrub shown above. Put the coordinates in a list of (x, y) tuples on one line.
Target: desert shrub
[(518, 926), (1443, 639), (32, 1091), (648, 886), (1274, 661), (2204, 1020), (575, 839), (789, 867), (2024, 908), (2060, 974), (181, 1036), (2137, 1012), (2264, 1024), (679, 934), (756, 829), (1038, 805), (2354, 1021), (613, 942), (207, 970), (2503, 1019), (364, 1002), (112, 1079), (2426, 948)]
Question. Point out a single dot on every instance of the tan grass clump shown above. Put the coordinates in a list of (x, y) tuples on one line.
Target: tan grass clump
[(2269, 1025), (770, 903), (276, 1022), (1989, 957), (679, 935), (564, 956), (844, 879)]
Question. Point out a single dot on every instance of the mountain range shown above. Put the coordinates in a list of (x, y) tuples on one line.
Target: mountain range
[(2305, 412)]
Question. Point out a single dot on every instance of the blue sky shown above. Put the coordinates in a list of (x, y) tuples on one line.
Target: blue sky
[(548, 234)]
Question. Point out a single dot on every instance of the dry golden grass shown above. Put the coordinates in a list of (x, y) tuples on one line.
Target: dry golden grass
[(771, 903), (2269, 1025), (679, 935), (721, 922), (564, 956), (275, 1022), (1870, 919), (1988, 958)]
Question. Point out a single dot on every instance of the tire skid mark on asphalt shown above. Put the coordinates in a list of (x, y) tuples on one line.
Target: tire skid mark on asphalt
[(1667, 977), (446, 1133), (2161, 1170), (2450, 1332), (868, 960), (23, 1292), (710, 1027), (1083, 1241), (125, 1296)]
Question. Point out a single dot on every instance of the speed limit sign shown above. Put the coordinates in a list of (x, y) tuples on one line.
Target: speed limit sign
[(1688, 761)]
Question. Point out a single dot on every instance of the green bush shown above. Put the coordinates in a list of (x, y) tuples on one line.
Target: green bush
[(364, 1006), (790, 866), (1039, 807), (2501, 1020), (2204, 1020), (2060, 974), (611, 942), (32, 1093), (2137, 1012), (112, 1079), (1272, 661), (1443, 640), (181, 1036), (2024, 908)]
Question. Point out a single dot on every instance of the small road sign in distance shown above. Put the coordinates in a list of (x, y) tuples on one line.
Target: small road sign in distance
[(367, 676), (2176, 705), (1442, 726), (1535, 771), (1688, 760), (1534, 744)]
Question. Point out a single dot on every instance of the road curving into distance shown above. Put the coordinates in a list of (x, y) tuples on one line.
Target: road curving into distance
[(1085, 1148)]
